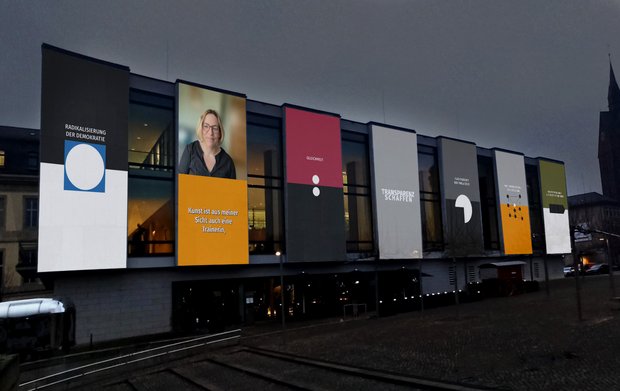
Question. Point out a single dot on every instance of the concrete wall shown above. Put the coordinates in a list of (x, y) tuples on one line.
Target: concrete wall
[(437, 271), (436, 276), (121, 304)]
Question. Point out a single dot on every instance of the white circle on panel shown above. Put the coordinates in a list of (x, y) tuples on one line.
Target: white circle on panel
[(84, 166), (316, 191), (315, 179), (462, 201)]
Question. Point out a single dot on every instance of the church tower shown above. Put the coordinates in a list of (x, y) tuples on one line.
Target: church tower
[(609, 140)]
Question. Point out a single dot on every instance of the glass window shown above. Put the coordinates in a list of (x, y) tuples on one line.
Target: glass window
[(432, 235), (357, 202), (430, 206), (151, 128), (1, 273), (150, 214), (2, 213), (33, 160), (355, 162), (28, 254), (264, 146), (536, 219), (488, 203), (2, 157), (31, 212), (265, 219), (265, 195), (428, 169)]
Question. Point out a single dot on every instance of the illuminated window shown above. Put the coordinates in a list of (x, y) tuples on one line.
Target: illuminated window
[(150, 217), (1, 158), (265, 202), (151, 128), (357, 203), (428, 172)]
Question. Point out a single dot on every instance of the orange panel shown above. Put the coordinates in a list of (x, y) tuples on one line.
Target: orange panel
[(212, 221), (516, 229)]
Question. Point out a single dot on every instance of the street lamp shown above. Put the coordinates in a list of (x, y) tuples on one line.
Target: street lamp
[(281, 258)]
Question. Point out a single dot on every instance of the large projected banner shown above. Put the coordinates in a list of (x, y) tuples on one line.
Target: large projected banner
[(555, 206), (397, 193), (462, 218), (212, 178), (315, 199), (514, 213), (83, 184)]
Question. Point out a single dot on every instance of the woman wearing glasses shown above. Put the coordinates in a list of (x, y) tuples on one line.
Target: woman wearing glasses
[(205, 156)]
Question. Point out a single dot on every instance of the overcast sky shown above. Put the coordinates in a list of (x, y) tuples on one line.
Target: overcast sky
[(529, 76)]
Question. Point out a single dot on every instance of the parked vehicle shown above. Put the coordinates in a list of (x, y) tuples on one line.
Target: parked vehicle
[(600, 268), (35, 325)]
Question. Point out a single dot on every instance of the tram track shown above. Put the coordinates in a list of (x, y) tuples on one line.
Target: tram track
[(84, 371), (251, 368), (211, 363)]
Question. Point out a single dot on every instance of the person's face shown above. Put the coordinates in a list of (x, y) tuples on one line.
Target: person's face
[(211, 130)]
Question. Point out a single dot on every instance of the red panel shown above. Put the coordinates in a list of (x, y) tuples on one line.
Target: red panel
[(313, 148)]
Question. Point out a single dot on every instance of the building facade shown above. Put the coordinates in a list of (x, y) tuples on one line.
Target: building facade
[(600, 213), (355, 213), (609, 141), (19, 193)]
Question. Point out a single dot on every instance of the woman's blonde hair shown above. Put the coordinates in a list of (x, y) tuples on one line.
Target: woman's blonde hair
[(201, 121)]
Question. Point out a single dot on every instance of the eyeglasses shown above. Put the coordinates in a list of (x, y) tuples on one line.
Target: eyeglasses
[(214, 128)]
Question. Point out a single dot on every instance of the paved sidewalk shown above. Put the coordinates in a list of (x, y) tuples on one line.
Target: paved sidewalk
[(526, 342)]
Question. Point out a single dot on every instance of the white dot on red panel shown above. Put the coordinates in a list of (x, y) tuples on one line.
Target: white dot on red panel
[(315, 179), (316, 191)]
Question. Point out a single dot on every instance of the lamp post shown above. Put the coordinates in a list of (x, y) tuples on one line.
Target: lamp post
[(612, 288), (281, 258)]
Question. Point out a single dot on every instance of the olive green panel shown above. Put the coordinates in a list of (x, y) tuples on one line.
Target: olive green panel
[(552, 184)]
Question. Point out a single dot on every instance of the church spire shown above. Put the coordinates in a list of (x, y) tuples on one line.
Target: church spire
[(613, 93)]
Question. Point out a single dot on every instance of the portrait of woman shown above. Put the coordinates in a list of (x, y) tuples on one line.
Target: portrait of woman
[(205, 156)]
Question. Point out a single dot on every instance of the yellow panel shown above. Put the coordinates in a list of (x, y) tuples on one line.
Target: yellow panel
[(212, 221), (516, 229)]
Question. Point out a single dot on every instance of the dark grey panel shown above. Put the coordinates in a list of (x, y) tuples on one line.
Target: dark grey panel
[(90, 98), (462, 218), (315, 224)]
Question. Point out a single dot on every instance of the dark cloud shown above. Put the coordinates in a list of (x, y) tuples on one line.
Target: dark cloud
[(529, 76)]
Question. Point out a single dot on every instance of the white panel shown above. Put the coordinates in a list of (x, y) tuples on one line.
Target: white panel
[(81, 230), (396, 190), (557, 232)]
